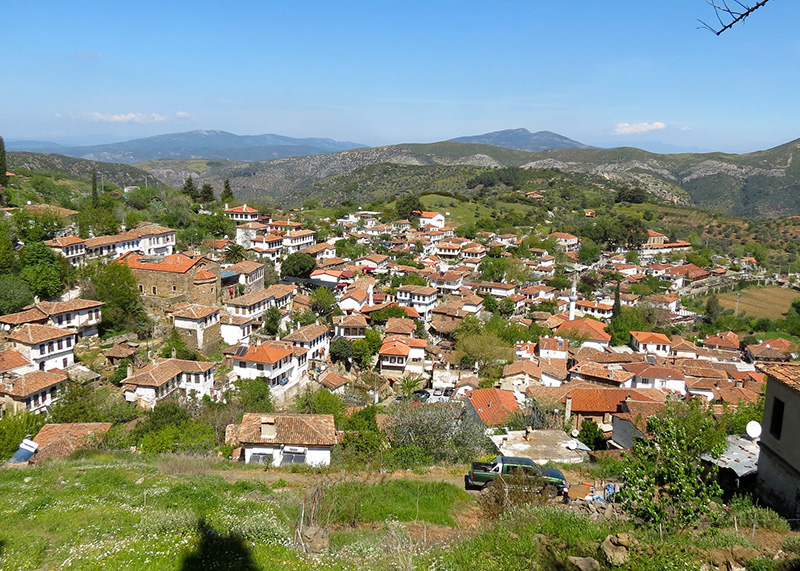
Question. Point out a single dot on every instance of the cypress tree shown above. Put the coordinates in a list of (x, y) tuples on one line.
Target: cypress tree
[(617, 303), (227, 192), (189, 188), (3, 166), (206, 193), (95, 197)]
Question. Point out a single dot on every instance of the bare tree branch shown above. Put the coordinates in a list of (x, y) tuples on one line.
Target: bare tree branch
[(729, 14)]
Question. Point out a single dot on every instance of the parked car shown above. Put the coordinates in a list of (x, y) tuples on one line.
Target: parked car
[(483, 474), (437, 392), (448, 392), (421, 395)]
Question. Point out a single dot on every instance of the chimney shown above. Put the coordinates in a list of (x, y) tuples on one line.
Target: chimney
[(268, 427), (36, 300), (568, 409), (173, 352), (129, 374), (226, 206)]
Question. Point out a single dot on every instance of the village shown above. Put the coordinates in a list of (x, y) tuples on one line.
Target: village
[(402, 323)]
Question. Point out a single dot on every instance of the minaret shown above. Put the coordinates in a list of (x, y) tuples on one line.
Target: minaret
[(573, 296)]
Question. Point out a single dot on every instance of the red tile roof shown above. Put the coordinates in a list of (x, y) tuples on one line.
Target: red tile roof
[(30, 333), (290, 429), (493, 406)]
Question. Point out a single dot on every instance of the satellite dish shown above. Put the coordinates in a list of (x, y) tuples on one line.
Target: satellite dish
[(572, 445), (753, 429), (575, 433)]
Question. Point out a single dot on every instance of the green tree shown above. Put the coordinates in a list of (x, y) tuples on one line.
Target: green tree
[(14, 294), (666, 482), (190, 189), (227, 193), (407, 205), (321, 402), (322, 301), (95, 196), (115, 285), (206, 193), (381, 316), (629, 319), (298, 265), (505, 307), (592, 436), (42, 270), (408, 384), (714, 308), (341, 350), (589, 252), (484, 350), (174, 342), (3, 164), (36, 226), (272, 321), (97, 222), (254, 395), (362, 353), (235, 253), (490, 303)]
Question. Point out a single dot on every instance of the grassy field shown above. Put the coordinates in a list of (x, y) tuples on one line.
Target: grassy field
[(122, 511), (769, 302)]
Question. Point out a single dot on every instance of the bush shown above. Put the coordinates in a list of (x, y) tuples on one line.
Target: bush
[(747, 514), (792, 545), (407, 457)]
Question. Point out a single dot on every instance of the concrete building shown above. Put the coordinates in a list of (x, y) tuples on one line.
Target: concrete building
[(779, 461)]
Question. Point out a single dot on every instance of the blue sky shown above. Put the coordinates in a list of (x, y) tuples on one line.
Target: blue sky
[(603, 73)]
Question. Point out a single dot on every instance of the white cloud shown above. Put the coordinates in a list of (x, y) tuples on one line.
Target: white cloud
[(125, 117), (685, 129), (637, 128), (183, 114)]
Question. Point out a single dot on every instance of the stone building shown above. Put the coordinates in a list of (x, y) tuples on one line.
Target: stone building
[(198, 279)]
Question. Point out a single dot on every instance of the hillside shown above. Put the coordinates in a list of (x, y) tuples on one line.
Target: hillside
[(523, 140), (763, 184), (284, 178), (195, 144), (118, 174)]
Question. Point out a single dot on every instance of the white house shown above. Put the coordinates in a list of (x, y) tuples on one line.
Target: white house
[(33, 392), (277, 439), (279, 362), (312, 337), (565, 241), (83, 315), (43, 346), (149, 239), (242, 214), (430, 218), (298, 240), (649, 376), (72, 248), (421, 298), (163, 377), (249, 231), (649, 342), (401, 355), (234, 329)]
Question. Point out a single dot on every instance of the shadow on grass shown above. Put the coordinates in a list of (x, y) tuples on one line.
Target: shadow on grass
[(216, 551)]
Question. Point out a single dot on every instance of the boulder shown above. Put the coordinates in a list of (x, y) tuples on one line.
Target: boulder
[(616, 555), (584, 563)]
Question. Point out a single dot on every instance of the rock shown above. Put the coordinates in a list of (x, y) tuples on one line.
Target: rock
[(315, 539), (608, 514), (743, 554), (584, 563), (140, 481), (27, 480), (616, 555), (623, 540)]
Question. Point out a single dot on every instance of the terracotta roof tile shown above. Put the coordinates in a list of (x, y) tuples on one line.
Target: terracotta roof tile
[(493, 406), (290, 429), (31, 334)]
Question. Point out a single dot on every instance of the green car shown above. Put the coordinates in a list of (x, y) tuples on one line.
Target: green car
[(484, 473)]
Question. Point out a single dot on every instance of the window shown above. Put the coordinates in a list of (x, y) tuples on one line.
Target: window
[(69, 341), (260, 458), (154, 290), (776, 421), (294, 458), (141, 288)]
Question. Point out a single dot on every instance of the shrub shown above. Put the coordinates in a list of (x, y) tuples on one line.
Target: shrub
[(792, 545)]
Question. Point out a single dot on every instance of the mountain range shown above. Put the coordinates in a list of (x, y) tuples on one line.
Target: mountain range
[(192, 144), (760, 184)]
